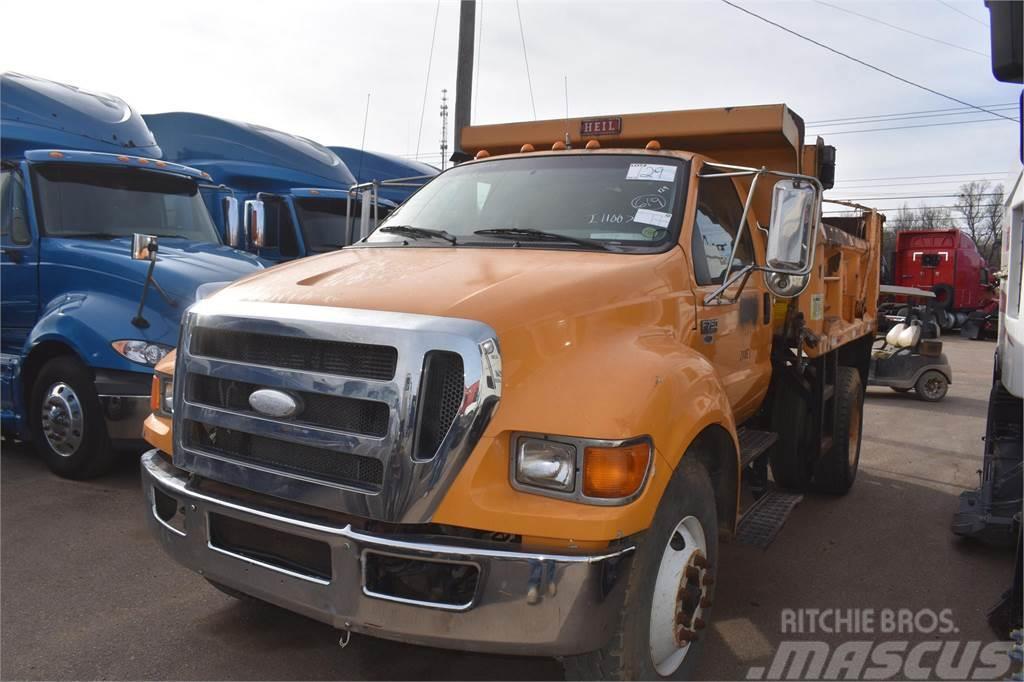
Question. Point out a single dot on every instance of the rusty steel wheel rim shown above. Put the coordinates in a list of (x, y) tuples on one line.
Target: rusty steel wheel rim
[(681, 595)]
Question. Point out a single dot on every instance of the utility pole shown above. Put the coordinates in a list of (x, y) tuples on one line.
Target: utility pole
[(444, 128), (464, 74)]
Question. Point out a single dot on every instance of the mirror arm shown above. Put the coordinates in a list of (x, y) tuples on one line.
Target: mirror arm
[(741, 275), (743, 223)]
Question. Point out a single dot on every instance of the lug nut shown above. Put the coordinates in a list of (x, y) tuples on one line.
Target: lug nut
[(699, 561), (692, 573), (705, 603), (699, 624), (684, 635), (709, 580)]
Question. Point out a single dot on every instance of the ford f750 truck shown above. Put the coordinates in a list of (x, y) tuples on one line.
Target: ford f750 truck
[(519, 415), (84, 323)]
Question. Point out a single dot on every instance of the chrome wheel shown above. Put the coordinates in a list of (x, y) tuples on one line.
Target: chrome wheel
[(63, 419), (681, 594)]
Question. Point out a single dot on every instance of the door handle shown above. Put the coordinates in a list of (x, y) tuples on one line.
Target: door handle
[(15, 255)]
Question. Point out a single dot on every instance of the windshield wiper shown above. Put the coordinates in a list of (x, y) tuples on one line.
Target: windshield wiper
[(418, 232), (529, 234)]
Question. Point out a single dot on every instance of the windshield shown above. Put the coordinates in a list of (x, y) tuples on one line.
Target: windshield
[(323, 223), (617, 201), (78, 200)]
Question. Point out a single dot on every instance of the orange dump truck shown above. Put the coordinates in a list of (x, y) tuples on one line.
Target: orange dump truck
[(518, 416)]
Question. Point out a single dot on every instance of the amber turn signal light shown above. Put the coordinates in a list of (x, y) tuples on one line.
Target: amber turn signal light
[(615, 472), (154, 394)]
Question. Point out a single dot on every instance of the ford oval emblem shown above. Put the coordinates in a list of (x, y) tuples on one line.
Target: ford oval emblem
[(273, 403)]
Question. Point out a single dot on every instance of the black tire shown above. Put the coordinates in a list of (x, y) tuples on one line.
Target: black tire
[(836, 469), (931, 386), (87, 452), (792, 456), (627, 656), (943, 296), (901, 390)]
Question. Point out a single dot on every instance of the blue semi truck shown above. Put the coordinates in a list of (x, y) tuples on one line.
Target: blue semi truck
[(102, 248), (294, 189), (369, 166)]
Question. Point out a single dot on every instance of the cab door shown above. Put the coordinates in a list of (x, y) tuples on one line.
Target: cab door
[(19, 263), (733, 331)]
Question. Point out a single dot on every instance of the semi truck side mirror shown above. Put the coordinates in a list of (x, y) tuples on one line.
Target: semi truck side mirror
[(232, 224), (256, 222), (144, 247), (791, 233)]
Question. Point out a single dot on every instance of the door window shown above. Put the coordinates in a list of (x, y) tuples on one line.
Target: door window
[(14, 218), (719, 211)]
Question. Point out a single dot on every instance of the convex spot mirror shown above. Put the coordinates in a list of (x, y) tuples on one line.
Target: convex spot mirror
[(144, 247), (794, 218), (255, 222)]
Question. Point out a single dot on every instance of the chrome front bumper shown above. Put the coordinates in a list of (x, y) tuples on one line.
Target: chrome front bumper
[(576, 598)]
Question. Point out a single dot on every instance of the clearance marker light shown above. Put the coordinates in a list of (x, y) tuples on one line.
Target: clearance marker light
[(653, 146), (526, 148), (56, 155), (593, 144), (482, 154), (558, 146)]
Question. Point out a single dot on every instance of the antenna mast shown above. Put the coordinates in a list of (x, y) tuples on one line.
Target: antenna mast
[(444, 128)]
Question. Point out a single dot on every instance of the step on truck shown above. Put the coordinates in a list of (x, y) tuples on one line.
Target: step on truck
[(286, 196), (102, 248), (519, 416)]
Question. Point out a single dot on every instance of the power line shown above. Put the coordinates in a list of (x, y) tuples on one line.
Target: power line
[(862, 62), (977, 21), (909, 184), (899, 28), (529, 81), (914, 177), (479, 58), (911, 115), (892, 197), (426, 84), (919, 125)]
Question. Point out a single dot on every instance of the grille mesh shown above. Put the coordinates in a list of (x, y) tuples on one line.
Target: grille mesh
[(293, 352), (327, 465), (441, 396), (365, 417)]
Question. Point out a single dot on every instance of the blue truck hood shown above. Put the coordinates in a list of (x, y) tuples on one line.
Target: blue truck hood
[(181, 265)]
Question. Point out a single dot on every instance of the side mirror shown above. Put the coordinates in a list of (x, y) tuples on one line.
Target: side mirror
[(232, 225), (255, 222), (144, 247), (791, 235)]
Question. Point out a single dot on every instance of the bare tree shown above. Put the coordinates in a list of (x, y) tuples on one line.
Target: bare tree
[(979, 205)]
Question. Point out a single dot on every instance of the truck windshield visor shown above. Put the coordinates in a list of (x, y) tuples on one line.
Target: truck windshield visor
[(631, 202), (322, 223), (79, 200)]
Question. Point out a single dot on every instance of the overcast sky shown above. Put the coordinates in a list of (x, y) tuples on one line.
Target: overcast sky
[(306, 67)]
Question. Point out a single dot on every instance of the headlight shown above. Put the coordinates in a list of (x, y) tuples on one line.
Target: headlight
[(142, 352), (546, 464), (161, 397), (587, 470)]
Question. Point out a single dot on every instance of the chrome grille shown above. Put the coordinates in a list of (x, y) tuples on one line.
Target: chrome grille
[(382, 448), (337, 467), (312, 355), (366, 417)]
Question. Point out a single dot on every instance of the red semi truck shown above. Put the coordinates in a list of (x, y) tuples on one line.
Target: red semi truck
[(948, 263)]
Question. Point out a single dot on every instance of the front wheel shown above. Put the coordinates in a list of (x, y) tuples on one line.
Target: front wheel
[(67, 423), (662, 626), (836, 469)]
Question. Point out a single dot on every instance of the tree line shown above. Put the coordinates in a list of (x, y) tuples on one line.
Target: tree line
[(978, 212)]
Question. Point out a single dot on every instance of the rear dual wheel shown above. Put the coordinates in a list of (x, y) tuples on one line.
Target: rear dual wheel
[(669, 587), (796, 462)]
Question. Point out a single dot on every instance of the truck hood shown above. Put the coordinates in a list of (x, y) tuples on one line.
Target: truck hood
[(181, 265), (504, 287)]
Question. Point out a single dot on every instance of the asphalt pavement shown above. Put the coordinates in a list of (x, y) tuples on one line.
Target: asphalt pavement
[(86, 593)]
